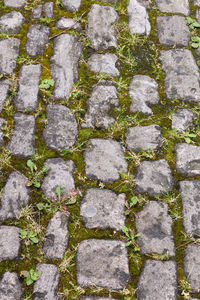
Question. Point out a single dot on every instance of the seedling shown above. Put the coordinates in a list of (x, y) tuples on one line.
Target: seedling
[(131, 236), (192, 23), (30, 276), (46, 84), (132, 202), (35, 175), (30, 237)]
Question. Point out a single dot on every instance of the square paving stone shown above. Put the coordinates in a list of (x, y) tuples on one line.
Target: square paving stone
[(174, 6), (188, 159), (9, 242), (182, 119), (192, 267), (10, 287), (102, 263)]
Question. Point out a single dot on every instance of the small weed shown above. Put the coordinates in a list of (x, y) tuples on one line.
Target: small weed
[(186, 289), (46, 84), (29, 237), (131, 238), (30, 276), (35, 176)]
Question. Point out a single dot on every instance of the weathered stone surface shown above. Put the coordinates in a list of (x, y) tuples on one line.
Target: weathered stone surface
[(29, 78), (104, 160), (144, 137), (155, 228), (192, 267), (158, 281), (10, 287), (96, 298), (188, 159), (62, 130), (59, 173), (56, 239), (9, 50), (14, 3), (23, 140), (2, 122), (102, 263), (9, 242), (190, 195), (182, 119), (196, 2), (103, 63), (64, 64), (174, 6), (102, 208), (15, 196), (143, 91), (45, 288), (37, 38), (11, 22), (100, 28), (173, 30), (48, 10), (138, 18), (182, 75), (64, 23), (102, 100), (154, 177), (37, 12), (71, 5), (4, 86)]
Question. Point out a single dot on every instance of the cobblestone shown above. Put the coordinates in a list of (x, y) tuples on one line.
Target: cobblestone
[(188, 159), (37, 38), (9, 50), (182, 119), (11, 22), (9, 242), (191, 267), (175, 6), (14, 3), (10, 287), (4, 86), (103, 63), (71, 5), (64, 23)]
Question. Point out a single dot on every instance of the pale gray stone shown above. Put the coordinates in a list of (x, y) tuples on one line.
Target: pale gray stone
[(59, 173), (182, 119), (27, 97), (196, 2), (158, 281), (104, 160), (9, 243), (192, 267), (102, 263), (188, 159), (100, 28), (71, 5), (174, 6), (10, 287), (144, 137), (37, 38), (62, 129), (154, 177), (48, 9), (4, 86), (15, 196), (68, 23), (138, 18), (11, 22), (97, 298), (2, 122), (102, 208), (103, 63), (64, 64), (9, 51), (143, 91), (14, 3), (37, 12)]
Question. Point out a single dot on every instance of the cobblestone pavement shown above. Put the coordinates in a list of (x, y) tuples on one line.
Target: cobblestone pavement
[(100, 149)]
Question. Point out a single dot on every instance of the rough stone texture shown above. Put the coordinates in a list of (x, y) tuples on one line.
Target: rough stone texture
[(188, 159), (96, 298), (158, 281), (45, 288), (143, 91), (37, 38), (4, 86), (9, 50), (102, 263), (23, 140), (9, 242), (103, 63), (174, 6), (15, 196), (11, 22), (64, 23), (102, 100), (62, 130), (29, 78), (190, 194), (48, 9), (138, 18), (102, 208), (155, 228), (71, 5), (59, 173), (182, 119), (144, 137), (154, 177), (196, 2), (14, 3), (37, 12), (56, 239), (10, 287), (173, 30), (2, 122), (192, 267), (64, 64), (182, 75), (104, 160), (100, 28)]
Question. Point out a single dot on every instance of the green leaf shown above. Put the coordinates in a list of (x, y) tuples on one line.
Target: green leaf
[(134, 200), (189, 20), (195, 45), (125, 231), (23, 234), (31, 165), (127, 212), (188, 140), (34, 240), (195, 39), (59, 190), (29, 281), (128, 243), (46, 84), (196, 25), (40, 206), (71, 201), (45, 169), (36, 184)]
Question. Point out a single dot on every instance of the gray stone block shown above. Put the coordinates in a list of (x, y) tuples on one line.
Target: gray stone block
[(10, 287), (175, 6), (14, 3), (11, 22), (37, 12), (9, 51), (103, 63), (188, 159), (192, 267), (196, 2), (9, 242), (182, 119), (65, 23), (71, 5), (48, 9), (37, 38), (4, 86)]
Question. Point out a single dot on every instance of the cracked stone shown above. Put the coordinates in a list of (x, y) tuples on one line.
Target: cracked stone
[(2, 122), (9, 51), (192, 267), (9, 243), (37, 12), (174, 6), (11, 22), (103, 63), (37, 38), (71, 5), (102, 263), (10, 287), (65, 23), (14, 3), (48, 10), (188, 159), (4, 87), (182, 119)]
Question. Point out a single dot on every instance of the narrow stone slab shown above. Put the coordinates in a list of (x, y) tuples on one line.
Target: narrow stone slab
[(100, 28), (104, 160), (14, 3), (37, 38), (59, 173), (154, 177), (182, 119), (11, 22), (175, 6), (9, 242), (62, 129), (192, 267), (29, 78), (188, 159), (48, 9), (64, 64), (71, 5), (47, 285), (143, 91), (2, 122), (102, 263), (103, 63), (102, 100), (158, 281), (37, 12), (173, 30), (144, 137), (23, 139), (9, 50), (102, 208), (155, 228), (67, 23), (10, 287), (138, 18), (4, 86)]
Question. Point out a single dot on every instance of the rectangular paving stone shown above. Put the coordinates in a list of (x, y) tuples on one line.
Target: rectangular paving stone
[(174, 6), (37, 38), (9, 242), (182, 119), (188, 159), (4, 86), (10, 287), (9, 51), (192, 267)]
